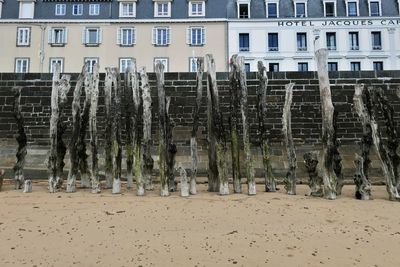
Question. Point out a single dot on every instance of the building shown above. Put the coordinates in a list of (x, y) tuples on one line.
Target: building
[(360, 34), (38, 33)]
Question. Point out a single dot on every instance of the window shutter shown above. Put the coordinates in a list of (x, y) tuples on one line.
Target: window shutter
[(100, 31), (189, 36), (134, 36), (49, 35), (66, 36), (154, 41), (203, 36), (168, 36), (84, 36), (119, 33)]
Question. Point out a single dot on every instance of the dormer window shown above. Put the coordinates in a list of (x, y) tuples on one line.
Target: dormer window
[(127, 9), (1, 6), (300, 8), (162, 8), (330, 8), (197, 8), (374, 8), (352, 8), (26, 9), (243, 7), (272, 8)]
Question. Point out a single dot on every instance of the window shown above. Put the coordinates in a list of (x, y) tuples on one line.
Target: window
[(331, 40), (53, 61), (60, 9), (1, 7), (92, 37), (23, 36), (355, 66), (374, 8), (376, 40), (330, 8), (162, 9), (94, 9), (26, 9), (272, 8), (273, 44), (378, 65), (302, 41), (302, 66), (57, 36), (300, 9), (332, 66), (162, 60), (273, 67), (161, 36), (196, 36), (354, 42), (126, 37), (193, 64), (243, 7), (77, 9), (244, 42), (247, 67), (90, 62), (124, 64), (21, 65), (352, 8), (127, 9), (196, 8)]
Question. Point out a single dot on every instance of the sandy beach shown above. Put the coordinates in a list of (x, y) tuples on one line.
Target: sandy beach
[(270, 229)]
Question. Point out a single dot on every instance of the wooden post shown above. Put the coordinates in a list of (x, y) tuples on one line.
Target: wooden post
[(27, 186), (129, 122), (261, 90), (362, 163), (108, 84), (245, 124), (1, 178), (217, 172), (315, 180), (184, 182), (172, 149), (337, 159), (327, 110), (290, 179), (233, 123), (76, 124), (196, 122), (116, 130), (148, 161), (21, 139), (94, 96), (162, 147)]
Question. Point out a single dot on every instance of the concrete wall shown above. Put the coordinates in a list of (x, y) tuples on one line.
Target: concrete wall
[(306, 120)]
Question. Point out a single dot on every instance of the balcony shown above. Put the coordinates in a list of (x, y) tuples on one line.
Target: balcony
[(273, 49), (376, 47), (302, 48), (354, 47)]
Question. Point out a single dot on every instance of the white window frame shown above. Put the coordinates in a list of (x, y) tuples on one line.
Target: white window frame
[(189, 36), (334, 7), (272, 48), (94, 9), (1, 7), (53, 60), (156, 33), (30, 4), (354, 63), (79, 11), (357, 5), (379, 4), (164, 13), (272, 2), (302, 48), (92, 61), (124, 9), (23, 33), (60, 9), (122, 41), (376, 47), (305, 2), (351, 46), (122, 69), (163, 60), (53, 41), (197, 3), (86, 36), (243, 2), (19, 68)]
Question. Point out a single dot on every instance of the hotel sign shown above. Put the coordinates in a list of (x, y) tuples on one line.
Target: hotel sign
[(335, 23)]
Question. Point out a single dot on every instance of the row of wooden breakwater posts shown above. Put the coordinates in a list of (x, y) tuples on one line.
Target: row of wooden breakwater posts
[(325, 180)]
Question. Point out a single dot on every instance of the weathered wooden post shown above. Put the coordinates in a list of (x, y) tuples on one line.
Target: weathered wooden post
[(1, 178), (148, 161), (217, 172), (245, 124), (290, 179), (362, 163), (270, 184), (162, 147), (109, 117), (337, 159), (315, 180), (233, 123), (60, 87), (27, 186), (184, 182), (21, 139), (172, 149), (327, 110), (76, 125), (116, 130), (94, 96), (196, 122)]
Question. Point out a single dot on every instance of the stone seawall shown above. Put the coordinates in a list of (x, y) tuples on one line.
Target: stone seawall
[(306, 116)]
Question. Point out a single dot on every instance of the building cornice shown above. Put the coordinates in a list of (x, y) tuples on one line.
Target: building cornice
[(244, 21), (110, 21)]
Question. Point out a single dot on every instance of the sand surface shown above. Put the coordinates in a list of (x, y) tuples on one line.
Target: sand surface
[(270, 229)]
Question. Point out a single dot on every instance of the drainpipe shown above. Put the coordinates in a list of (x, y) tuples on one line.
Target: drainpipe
[(41, 50)]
